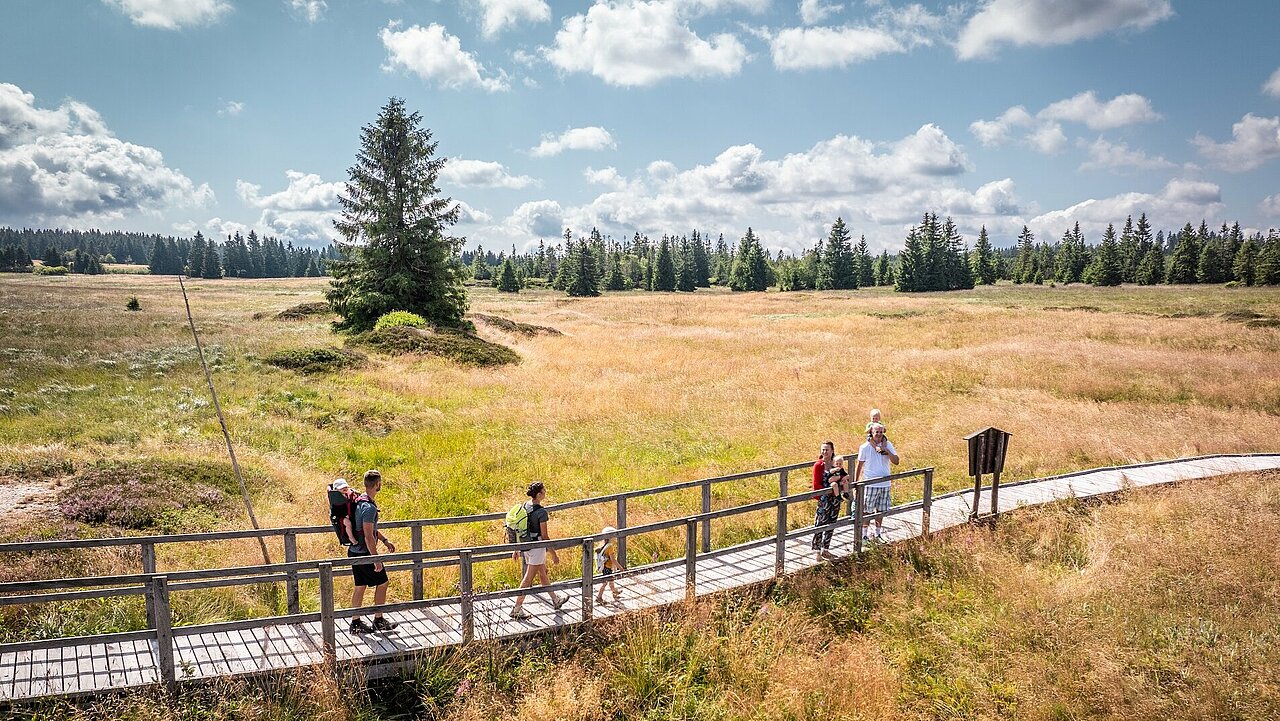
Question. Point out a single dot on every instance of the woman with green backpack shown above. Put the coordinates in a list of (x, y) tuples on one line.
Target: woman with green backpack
[(531, 525)]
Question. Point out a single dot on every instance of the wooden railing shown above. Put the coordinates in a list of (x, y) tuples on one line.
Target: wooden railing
[(157, 587)]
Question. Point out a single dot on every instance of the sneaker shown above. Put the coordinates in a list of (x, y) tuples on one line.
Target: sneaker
[(880, 535), (520, 614), (359, 626), (382, 624), (600, 600), (559, 602)]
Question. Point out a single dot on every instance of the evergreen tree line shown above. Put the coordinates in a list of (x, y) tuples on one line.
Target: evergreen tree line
[(590, 264), (196, 257), (238, 257), (1134, 255)]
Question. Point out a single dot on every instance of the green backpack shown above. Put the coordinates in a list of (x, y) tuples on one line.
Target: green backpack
[(517, 523)]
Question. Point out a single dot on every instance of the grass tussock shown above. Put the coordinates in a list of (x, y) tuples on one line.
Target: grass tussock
[(454, 345), (325, 359), (507, 325)]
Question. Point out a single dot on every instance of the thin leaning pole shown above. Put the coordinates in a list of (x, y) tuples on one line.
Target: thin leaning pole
[(226, 436)]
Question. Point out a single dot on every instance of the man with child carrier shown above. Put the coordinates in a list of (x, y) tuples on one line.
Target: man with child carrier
[(355, 520)]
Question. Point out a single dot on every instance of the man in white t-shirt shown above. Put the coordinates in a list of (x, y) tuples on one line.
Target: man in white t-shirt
[(874, 458)]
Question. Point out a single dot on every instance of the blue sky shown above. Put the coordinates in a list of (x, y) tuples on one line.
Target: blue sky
[(656, 116)]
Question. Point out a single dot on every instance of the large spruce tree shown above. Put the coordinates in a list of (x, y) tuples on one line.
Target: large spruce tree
[(982, 260), (507, 280), (838, 267), (1186, 256), (396, 251), (750, 267), (664, 274), (1107, 267)]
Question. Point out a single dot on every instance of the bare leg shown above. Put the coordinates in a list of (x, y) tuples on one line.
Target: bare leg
[(527, 581), (379, 598), (546, 580), (357, 599)]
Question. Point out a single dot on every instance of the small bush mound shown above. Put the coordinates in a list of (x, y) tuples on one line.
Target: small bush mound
[(399, 318), (50, 270), (512, 326), (152, 494), (455, 345), (324, 359), (132, 303), (303, 310)]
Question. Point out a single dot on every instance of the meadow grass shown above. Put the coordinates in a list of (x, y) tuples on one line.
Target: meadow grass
[(641, 389)]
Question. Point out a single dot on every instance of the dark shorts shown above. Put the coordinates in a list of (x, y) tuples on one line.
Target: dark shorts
[(364, 574), (607, 571)]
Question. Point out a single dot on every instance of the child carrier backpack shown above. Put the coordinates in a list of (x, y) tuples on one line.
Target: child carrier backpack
[(342, 507), (600, 557), (516, 524)]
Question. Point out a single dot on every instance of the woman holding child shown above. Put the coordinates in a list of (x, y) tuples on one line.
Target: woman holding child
[(828, 477)]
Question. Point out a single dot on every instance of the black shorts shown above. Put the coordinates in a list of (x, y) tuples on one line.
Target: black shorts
[(364, 574)]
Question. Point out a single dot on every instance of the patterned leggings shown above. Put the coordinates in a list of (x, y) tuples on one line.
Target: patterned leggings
[(828, 511)]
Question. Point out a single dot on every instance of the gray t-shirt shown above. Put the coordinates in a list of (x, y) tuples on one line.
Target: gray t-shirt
[(365, 512)]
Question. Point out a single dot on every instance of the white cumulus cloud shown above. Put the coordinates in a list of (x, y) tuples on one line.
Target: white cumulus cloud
[(890, 30), (63, 166), (1052, 22), (1270, 206), (434, 55), (1117, 112), (642, 43), (231, 108), (807, 48), (310, 10), (1180, 201), (1105, 155), (467, 173), (498, 15), (303, 212), (592, 137), (1043, 131), (1254, 141), (813, 12), (1272, 86), (171, 14), (878, 187)]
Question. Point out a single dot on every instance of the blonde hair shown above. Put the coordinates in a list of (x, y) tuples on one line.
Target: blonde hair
[(874, 412)]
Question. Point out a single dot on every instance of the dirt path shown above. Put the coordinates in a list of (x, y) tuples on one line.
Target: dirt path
[(24, 500)]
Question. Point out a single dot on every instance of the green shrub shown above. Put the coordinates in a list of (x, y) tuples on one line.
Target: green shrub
[(132, 303), (50, 270), (1233, 284), (458, 346), (398, 318), (315, 360)]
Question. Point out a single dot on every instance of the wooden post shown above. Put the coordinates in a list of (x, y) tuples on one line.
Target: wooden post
[(859, 495), (416, 545), (588, 577), (291, 585), (149, 567), (467, 607), (706, 522), (328, 636), (158, 602), (995, 498), (691, 560), (780, 539), (977, 479), (927, 507), (782, 484), (148, 557), (620, 524)]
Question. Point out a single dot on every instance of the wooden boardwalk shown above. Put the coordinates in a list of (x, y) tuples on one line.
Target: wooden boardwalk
[(118, 661)]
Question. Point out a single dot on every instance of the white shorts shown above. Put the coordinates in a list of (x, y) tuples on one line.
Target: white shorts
[(535, 557)]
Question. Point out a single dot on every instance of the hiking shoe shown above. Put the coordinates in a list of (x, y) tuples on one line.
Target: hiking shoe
[(559, 602), (359, 626), (382, 624), (520, 614)]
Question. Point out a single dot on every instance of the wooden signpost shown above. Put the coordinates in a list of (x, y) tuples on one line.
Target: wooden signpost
[(986, 456)]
